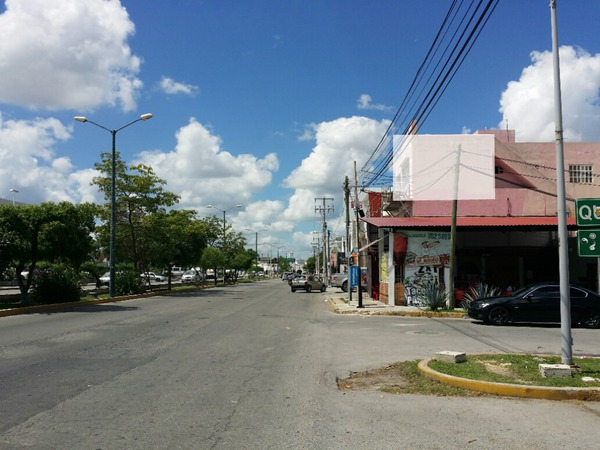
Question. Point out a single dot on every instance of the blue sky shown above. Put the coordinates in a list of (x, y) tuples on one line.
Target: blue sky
[(264, 103)]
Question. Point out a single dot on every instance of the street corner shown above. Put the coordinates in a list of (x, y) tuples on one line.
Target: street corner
[(510, 390)]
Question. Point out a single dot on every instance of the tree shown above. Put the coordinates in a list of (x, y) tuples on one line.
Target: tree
[(213, 258), (139, 194), (178, 239), (49, 231), (310, 265), (243, 261)]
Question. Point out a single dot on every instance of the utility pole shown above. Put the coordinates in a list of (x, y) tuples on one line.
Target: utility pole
[(324, 209), (359, 287), (317, 247), (348, 249), (452, 267)]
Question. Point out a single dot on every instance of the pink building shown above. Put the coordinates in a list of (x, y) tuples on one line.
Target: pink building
[(510, 239)]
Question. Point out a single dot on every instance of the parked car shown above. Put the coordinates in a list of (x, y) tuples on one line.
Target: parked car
[(105, 279), (341, 280), (153, 276), (177, 272), (190, 276), (210, 274), (307, 283), (538, 303)]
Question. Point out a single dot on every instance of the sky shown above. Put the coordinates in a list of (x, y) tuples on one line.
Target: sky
[(263, 103)]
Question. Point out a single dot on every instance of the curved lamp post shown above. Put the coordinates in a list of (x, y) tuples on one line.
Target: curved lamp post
[(14, 191), (113, 199), (224, 211)]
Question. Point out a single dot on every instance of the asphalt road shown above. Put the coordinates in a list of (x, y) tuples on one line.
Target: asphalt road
[(254, 367)]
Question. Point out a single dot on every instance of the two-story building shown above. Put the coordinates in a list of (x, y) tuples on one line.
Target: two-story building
[(507, 239)]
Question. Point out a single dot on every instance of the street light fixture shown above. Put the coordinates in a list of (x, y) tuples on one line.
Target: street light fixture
[(113, 199), (224, 211), (14, 191)]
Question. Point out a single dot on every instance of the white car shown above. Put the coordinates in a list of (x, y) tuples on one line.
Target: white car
[(152, 276), (190, 276), (105, 279)]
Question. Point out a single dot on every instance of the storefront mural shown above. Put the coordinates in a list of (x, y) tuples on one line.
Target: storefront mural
[(428, 253)]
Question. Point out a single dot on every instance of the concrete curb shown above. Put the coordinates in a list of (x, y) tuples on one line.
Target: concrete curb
[(83, 304), (378, 309), (511, 390)]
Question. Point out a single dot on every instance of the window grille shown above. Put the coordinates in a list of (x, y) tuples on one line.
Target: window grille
[(580, 173)]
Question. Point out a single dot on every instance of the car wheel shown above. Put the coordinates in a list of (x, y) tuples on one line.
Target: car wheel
[(345, 286), (308, 288), (498, 315), (323, 288), (591, 319), (293, 290)]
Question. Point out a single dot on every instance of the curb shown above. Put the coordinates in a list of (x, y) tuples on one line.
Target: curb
[(340, 307), (82, 304), (511, 390)]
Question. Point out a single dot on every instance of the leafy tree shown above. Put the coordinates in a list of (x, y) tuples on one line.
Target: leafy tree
[(48, 231), (213, 258), (178, 239), (139, 194), (243, 261), (310, 265)]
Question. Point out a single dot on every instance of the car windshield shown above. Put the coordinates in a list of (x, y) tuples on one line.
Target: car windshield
[(190, 272)]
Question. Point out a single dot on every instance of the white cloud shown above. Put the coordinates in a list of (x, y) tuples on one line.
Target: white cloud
[(170, 86), (67, 54), (28, 163), (202, 172), (338, 144), (364, 102), (527, 105)]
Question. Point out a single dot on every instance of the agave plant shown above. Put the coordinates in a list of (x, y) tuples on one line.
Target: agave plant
[(432, 296), (480, 290)]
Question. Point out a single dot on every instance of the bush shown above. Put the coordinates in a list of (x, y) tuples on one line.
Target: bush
[(432, 296), (128, 280), (58, 284), (480, 290)]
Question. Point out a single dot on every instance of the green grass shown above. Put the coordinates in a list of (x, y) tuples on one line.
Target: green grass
[(519, 369)]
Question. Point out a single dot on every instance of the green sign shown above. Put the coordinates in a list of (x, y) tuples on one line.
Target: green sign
[(588, 243), (588, 211)]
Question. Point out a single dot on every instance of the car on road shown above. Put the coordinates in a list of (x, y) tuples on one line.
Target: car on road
[(307, 283), (538, 303), (340, 280), (190, 276), (105, 279), (151, 276)]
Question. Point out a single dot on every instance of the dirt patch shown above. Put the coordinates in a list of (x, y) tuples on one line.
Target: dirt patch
[(384, 378), (503, 369)]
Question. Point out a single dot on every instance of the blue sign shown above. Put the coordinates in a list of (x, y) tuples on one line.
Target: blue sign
[(354, 273)]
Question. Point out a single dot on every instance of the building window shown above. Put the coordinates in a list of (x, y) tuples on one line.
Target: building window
[(498, 169), (580, 173)]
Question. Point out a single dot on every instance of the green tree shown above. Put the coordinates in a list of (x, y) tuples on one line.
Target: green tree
[(51, 232), (310, 265), (178, 239), (139, 194), (213, 258)]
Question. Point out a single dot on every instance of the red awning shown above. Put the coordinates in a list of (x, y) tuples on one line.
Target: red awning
[(427, 222)]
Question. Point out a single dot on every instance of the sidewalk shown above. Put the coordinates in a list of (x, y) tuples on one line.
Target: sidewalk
[(339, 304)]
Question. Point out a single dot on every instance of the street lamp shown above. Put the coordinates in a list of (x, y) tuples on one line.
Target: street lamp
[(224, 211), (113, 198), (256, 241), (14, 191)]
